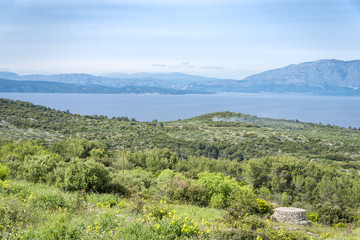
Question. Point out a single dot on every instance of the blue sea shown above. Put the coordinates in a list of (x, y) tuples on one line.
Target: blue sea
[(341, 111)]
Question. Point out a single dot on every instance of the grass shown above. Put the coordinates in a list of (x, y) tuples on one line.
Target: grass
[(40, 211), (211, 215)]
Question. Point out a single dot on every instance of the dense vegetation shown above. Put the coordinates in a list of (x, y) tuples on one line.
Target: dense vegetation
[(216, 176)]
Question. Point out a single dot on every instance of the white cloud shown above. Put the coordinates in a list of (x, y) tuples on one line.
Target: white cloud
[(159, 65), (184, 64)]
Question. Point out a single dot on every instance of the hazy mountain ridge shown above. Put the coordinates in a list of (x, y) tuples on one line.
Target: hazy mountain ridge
[(316, 74), (56, 87), (116, 80), (322, 77)]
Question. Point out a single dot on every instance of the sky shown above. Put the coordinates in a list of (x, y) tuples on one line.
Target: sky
[(215, 38)]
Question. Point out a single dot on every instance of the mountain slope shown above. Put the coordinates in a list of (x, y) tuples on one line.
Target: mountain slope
[(55, 87), (323, 77), (173, 77), (161, 80), (320, 73)]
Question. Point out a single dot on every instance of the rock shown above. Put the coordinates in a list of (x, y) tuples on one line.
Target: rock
[(290, 215)]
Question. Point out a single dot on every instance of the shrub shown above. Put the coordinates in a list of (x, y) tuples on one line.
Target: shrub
[(340, 225), (264, 193), (167, 174), (165, 178), (137, 203), (264, 206), (175, 188), (218, 200), (159, 211), (58, 175), (313, 217), (235, 234), (285, 234), (15, 168), (252, 222), (243, 203), (13, 212), (36, 168), (185, 190), (137, 178), (50, 200), (86, 175), (330, 215), (285, 199), (196, 194), (4, 172), (219, 187), (62, 226)]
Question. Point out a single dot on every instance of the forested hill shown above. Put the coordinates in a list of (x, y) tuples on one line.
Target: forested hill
[(215, 176), (222, 135)]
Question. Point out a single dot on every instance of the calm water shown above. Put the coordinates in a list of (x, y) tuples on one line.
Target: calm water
[(341, 111)]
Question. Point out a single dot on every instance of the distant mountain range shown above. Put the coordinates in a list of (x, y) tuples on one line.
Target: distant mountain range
[(116, 80), (323, 77), (55, 87)]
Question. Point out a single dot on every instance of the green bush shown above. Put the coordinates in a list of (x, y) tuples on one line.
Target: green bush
[(61, 226), (243, 203), (330, 214), (137, 203), (37, 168), (252, 222), (137, 179), (79, 148), (218, 200), (165, 178), (175, 188), (154, 160), (86, 175), (49, 200), (264, 206), (282, 233), (219, 187), (58, 175), (340, 225), (237, 234), (13, 212), (4, 172), (196, 194), (264, 193), (285, 199), (185, 190), (159, 211), (15, 166), (313, 217)]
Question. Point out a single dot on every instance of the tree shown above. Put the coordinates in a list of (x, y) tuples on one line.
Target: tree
[(86, 175), (4, 172)]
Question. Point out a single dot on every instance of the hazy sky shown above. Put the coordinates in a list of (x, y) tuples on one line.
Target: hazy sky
[(221, 38)]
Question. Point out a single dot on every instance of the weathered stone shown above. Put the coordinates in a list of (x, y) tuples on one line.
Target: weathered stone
[(290, 215)]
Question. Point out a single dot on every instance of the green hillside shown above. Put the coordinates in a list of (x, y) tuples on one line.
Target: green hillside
[(215, 176)]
